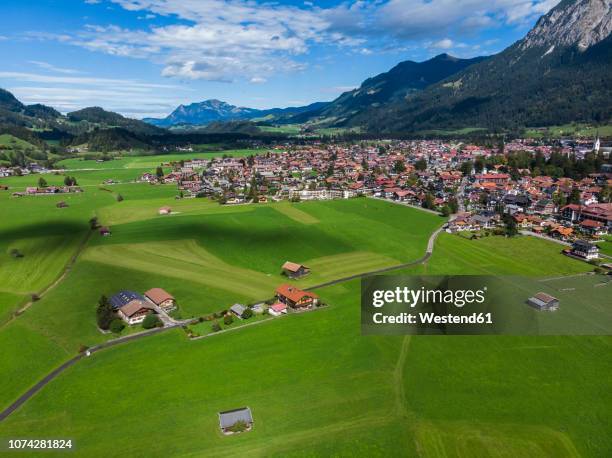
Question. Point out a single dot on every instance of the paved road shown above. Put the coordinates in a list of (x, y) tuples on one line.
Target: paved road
[(71, 362), (53, 374)]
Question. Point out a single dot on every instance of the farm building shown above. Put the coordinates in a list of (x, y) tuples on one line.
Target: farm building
[(585, 250), (277, 309), (293, 270), (295, 297), (124, 297), (238, 310), (165, 211), (134, 312), (230, 420), (543, 301), (161, 298)]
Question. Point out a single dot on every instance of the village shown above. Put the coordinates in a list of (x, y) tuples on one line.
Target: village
[(487, 190)]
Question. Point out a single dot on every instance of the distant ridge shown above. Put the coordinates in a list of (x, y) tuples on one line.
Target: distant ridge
[(213, 110)]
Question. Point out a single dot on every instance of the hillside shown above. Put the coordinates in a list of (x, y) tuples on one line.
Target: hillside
[(559, 73), (102, 118), (406, 78)]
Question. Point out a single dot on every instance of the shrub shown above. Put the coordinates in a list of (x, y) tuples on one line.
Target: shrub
[(151, 321), (16, 253), (216, 327), (117, 325), (248, 313), (119, 198), (228, 319)]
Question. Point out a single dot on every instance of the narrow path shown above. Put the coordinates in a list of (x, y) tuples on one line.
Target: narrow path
[(67, 268), (52, 375), (398, 379)]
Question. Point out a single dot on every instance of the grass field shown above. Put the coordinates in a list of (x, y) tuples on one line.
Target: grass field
[(566, 130), (374, 396), (315, 385), (198, 254)]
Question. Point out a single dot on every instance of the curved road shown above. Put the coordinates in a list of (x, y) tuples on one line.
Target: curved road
[(57, 371)]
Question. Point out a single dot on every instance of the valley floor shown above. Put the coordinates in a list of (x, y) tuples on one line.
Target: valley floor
[(316, 387)]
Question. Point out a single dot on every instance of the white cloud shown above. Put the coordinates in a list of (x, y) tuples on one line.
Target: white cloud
[(69, 93), (225, 40), (53, 68), (445, 43)]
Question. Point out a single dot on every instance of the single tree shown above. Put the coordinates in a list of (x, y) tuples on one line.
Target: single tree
[(104, 313), (248, 313), (228, 319), (42, 183)]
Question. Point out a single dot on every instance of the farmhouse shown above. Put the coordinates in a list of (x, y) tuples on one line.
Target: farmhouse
[(165, 211), (295, 297), (585, 250), (277, 309), (124, 297), (238, 310), (236, 421), (134, 312), (543, 301), (161, 298), (293, 270)]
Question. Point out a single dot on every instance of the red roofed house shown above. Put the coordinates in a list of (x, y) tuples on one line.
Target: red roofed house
[(497, 178), (161, 298), (295, 297), (135, 311)]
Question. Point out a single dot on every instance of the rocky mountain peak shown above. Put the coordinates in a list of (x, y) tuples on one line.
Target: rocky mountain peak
[(580, 23)]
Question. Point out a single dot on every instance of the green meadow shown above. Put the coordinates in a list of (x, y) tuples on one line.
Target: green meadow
[(316, 387)]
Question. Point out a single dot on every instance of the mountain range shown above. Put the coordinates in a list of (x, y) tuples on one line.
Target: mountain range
[(208, 111), (558, 73)]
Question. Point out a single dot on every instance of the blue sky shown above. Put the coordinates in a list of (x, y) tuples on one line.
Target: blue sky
[(144, 57)]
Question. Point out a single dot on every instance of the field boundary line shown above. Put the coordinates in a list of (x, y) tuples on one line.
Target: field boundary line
[(57, 371), (63, 274)]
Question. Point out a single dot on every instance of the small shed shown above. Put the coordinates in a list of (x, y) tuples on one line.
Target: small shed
[(61, 204), (236, 421), (543, 301), (238, 310), (294, 270), (165, 211), (105, 231)]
